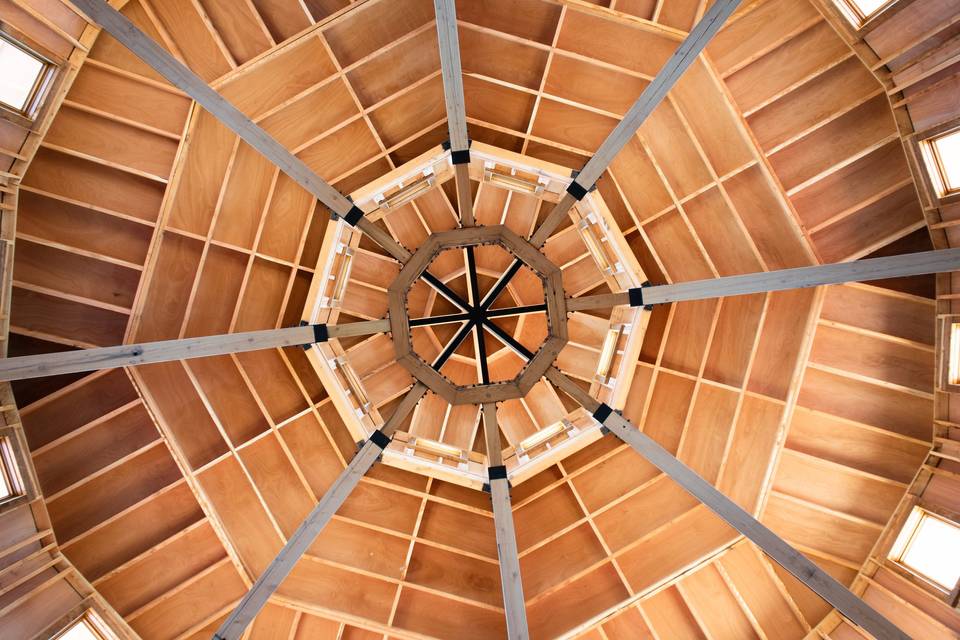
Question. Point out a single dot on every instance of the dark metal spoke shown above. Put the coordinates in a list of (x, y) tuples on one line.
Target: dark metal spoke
[(445, 291), (508, 340), (482, 354), (435, 320), (515, 311), (501, 284), (455, 342)]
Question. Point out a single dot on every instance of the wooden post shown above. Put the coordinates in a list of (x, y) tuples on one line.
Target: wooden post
[(824, 585), (50, 364), (117, 25), (698, 38), (513, 602), (268, 582)]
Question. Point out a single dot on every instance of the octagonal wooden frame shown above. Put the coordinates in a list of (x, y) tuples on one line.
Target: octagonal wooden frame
[(553, 294)]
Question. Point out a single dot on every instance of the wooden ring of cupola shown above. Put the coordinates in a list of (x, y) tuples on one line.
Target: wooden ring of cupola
[(525, 254)]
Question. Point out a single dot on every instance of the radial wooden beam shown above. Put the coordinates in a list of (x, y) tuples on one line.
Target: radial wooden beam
[(513, 602), (825, 586), (268, 582), (452, 73), (908, 264), (181, 77), (51, 364), (652, 95)]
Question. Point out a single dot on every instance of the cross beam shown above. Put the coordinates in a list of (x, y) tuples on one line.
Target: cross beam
[(268, 582), (117, 25), (452, 74), (908, 264), (513, 603), (698, 38), (51, 364), (815, 578)]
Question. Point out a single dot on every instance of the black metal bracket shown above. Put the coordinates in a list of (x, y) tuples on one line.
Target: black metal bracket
[(636, 296), (497, 473), (353, 216), (460, 157), (576, 189), (602, 413), (380, 439), (320, 334)]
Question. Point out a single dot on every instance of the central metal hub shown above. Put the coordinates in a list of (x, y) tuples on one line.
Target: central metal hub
[(476, 314)]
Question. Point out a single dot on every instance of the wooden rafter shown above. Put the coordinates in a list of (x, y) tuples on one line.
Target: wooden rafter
[(818, 580), (513, 602), (190, 83), (268, 582), (652, 95), (452, 73), (910, 264), (50, 364)]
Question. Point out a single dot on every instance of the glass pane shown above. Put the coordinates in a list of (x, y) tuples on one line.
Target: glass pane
[(79, 631), (933, 551), (868, 7), (20, 73), (6, 491), (948, 148)]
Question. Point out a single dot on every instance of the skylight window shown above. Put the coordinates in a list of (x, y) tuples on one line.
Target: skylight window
[(859, 11), (942, 156), (24, 76), (927, 546), (10, 485), (87, 627)]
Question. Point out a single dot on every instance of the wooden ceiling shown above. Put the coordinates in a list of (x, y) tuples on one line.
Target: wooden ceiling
[(141, 218)]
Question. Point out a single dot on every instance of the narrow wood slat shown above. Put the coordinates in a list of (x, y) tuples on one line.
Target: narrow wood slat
[(818, 580), (301, 539)]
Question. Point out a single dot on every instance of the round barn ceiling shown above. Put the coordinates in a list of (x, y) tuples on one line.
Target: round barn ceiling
[(474, 319)]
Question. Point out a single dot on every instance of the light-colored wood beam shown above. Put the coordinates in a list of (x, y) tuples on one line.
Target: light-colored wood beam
[(513, 602), (117, 25), (698, 38), (301, 539), (452, 73), (50, 364), (908, 264), (773, 545)]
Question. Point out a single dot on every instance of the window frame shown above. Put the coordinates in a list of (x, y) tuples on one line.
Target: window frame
[(915, 576), (41, 89), (934, 173), (855, 15), (947, 346), (89, 616), (14, 458)]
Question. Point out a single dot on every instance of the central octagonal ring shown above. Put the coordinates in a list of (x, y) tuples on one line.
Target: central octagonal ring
[(524, 253)]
